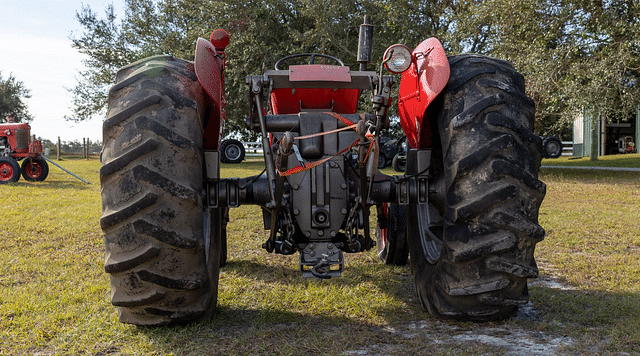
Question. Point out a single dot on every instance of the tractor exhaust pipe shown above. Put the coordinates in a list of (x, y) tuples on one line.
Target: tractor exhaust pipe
[(365, 43)]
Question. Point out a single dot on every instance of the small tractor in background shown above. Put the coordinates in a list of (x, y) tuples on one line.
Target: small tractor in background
[(231, 151), (551, 147), (16, 145), (464, 213)]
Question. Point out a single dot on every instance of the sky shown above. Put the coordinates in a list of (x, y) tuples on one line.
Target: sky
[(35, 48)]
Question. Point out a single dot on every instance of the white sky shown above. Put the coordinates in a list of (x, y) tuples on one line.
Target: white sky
[(35, 48)]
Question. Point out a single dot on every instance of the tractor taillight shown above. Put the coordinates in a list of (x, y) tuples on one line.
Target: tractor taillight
[(219, 39)]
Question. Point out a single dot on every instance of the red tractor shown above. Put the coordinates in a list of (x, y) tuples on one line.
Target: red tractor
[(16, 145), (465, 210)]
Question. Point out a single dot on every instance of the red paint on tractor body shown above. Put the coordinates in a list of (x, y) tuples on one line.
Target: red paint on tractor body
[(295, 100), (18, 137), (209, 64), (420, 85)]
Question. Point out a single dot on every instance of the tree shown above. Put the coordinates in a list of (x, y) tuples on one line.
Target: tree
[(12, 96), (575, 54), (262, 31)]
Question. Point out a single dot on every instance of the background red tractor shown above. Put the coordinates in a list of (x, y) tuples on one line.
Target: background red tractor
[(465, 212), (16, 145)]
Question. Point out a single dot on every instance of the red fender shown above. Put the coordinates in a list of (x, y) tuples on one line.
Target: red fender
[(420, 84), (208, 70)]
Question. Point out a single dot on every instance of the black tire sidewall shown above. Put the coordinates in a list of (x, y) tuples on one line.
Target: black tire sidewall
[(44, 173), (547, 143)]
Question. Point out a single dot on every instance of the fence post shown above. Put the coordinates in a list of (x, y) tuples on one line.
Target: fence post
[(58, 150)]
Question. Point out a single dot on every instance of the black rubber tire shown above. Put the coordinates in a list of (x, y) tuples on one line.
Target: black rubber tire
[(232, 151), (223, 237), (551, 147), (399, 163), (42, 169), (162, 245), (382, 161), (391, 237), (488, 221), (9, 170)]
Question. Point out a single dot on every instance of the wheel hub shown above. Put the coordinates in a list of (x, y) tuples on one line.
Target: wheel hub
[(5, 171), (233, 152)]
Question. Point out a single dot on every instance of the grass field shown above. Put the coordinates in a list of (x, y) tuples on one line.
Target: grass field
[(626, 161), (54, 294)]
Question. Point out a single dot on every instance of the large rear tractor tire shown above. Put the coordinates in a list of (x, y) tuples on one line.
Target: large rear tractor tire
[(399, 163), (223, 238), (391, 237), (162, 244), (471, 256), (382, 161)]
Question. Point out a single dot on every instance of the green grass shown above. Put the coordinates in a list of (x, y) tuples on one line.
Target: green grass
[(627, 161), (592, 244), (54, 294)]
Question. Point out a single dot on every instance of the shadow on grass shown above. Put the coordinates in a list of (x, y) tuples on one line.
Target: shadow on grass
[(589, 322), (365, 290), (585, 322), (383, 276), (587, 307), (270, 332), (601, 322)]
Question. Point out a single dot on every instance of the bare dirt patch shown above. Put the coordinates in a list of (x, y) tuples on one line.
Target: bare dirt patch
[(506, 340)]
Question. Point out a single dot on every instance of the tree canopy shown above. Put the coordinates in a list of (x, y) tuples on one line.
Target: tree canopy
[(575, 54), (262, 31), (12, 95)]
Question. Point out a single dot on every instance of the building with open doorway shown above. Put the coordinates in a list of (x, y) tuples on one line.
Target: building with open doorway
[(614, 137)]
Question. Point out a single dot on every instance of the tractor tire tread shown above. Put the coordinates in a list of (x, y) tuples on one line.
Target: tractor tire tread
[(490, 163), (123, 213), (118, 117), (126, 157), (152, 195), (140, 300), (127, 261)]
